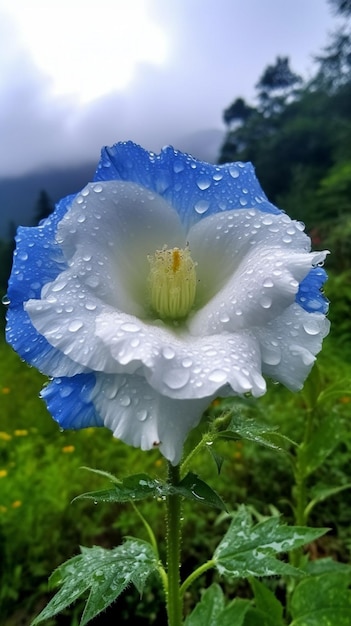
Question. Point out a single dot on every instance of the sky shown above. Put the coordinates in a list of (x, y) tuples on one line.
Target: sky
[(76, 75)]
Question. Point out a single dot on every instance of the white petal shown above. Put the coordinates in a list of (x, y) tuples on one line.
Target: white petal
[(141, 417), (289, 345), (106, 236), (179, 365), (251, 269)]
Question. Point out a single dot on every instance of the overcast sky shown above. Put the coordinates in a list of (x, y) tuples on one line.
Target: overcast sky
[(76, 74)]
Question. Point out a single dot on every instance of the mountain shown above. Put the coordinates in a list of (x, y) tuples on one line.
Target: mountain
[(19, 195)]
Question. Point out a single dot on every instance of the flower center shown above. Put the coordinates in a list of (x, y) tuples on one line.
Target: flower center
[(172, 281)]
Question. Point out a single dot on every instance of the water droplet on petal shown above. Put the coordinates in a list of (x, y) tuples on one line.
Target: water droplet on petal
[(268, 282), (311, 327), (177, 378), (125, 400), (203, 183), (217, 376), (75, 325), (201, 206), (265, 302), (5, 300), (233, 172), (142, 415), (130, 327), (97, 188), (224, 317), (168, 352)]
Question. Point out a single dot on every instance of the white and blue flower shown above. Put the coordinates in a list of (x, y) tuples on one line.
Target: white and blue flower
[(164, 283)]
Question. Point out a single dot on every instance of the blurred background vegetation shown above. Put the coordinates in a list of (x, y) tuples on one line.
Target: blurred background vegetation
[(299, 138)]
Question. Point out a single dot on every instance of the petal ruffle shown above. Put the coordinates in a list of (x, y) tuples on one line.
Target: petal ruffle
[(289, 345), (142, 417), (194, 188)]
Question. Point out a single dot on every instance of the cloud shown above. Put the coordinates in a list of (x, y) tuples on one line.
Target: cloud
[(216, 52)]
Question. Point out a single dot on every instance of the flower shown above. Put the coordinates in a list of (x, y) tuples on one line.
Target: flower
[(164, 283)]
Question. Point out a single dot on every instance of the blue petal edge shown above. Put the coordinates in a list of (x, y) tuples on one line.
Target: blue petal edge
[(309, 295), (68, 401), (195, 188)]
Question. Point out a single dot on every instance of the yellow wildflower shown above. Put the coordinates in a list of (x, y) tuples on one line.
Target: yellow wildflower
[(16, 504), (5, 436), (3, 509), (68, 449), (5, 390), (21, 433), (3, 473)]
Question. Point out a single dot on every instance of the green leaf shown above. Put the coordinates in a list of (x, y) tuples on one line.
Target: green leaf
[(324, 440), (248, 550), (104, 573), (242, 427), (323, 600), (207, 611), (135, 487), (268, 609), (319, 494), (212, 611), (193, 488), (141, 486)]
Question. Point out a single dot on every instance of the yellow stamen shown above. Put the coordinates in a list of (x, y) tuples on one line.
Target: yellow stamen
[(172, 281)]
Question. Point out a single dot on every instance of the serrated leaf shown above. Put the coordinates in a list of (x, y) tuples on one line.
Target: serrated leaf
[(247, 428), (323, 600), (269, 607), (104, 573), (211, 610), (250, 550), (324, 440), (135, 487), (194, 488)]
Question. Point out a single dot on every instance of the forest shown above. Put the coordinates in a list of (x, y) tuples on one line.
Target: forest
[(298, 136)]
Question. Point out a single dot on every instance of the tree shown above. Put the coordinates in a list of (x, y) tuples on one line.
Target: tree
[(276, 86), (237, 112), (43, 208), (343, 7)]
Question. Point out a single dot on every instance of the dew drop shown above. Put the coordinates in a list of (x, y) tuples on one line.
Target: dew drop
[(311, 327), (203, 183), (201, 206), (130, 327), (268, 282), (224, 317), (5, 300), (217, 376), (142, 415), (168, 352), (97, 188), (266, 302), (233, 172), (125, 400), (75, 325), (176, 378)]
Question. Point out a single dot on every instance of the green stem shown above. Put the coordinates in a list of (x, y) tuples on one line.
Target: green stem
[(174, 602), (195, 574)]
